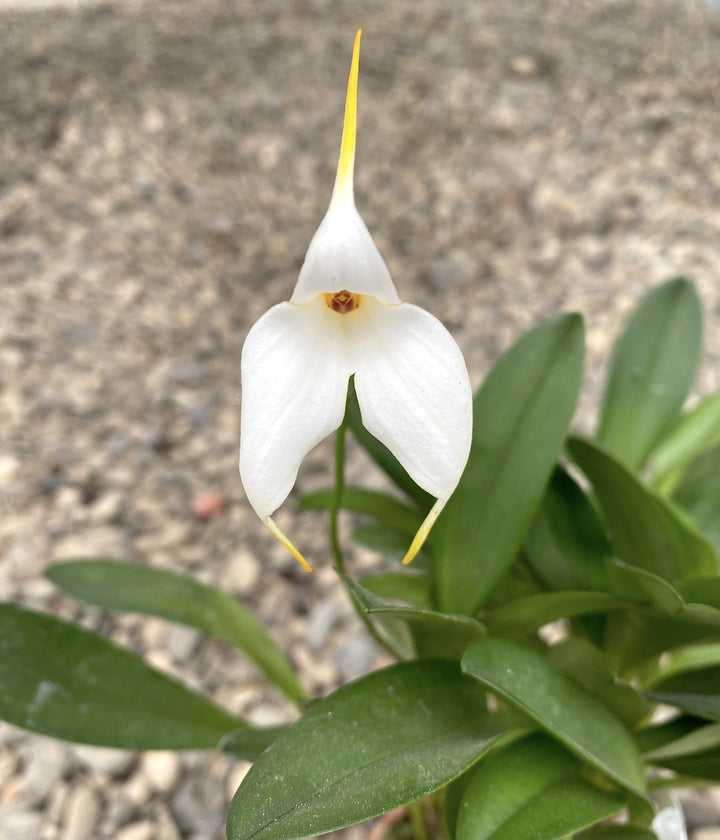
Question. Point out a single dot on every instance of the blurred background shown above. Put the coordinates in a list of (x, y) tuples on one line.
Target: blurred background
[(163, 166)]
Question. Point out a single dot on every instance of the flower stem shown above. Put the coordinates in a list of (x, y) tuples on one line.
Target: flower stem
[(335, 538), (337, 496)]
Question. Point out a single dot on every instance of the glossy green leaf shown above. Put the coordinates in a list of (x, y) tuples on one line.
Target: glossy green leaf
[(704, 590), (435, 634), (694, 670), (130, 588), (698, 493), (559, 705), (401, 586), (643, 634), (372, 746), (703, 705), (699, 740), (695, 432), (644, 529), (524, 615), (592, 669), (642, 585), (249, 743), (531, 789), (61, 680), (654, 736), (385, 509), (521, 413), (566, 544), (382, 456), (652, 369), (704, 765)]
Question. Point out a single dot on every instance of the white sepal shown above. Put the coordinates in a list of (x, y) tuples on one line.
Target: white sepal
[(294, 386), (342, 255), (414, 392)]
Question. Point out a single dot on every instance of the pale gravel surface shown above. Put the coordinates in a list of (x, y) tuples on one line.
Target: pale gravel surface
[(163, 165)]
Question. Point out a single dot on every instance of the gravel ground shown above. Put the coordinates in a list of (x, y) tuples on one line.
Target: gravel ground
[(163, 165)]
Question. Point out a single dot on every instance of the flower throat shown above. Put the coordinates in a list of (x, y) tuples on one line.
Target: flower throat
[(342, 302)]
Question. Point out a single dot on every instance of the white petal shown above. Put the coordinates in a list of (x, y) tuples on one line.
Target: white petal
[(414, 391), (294, 386), (342, 255)]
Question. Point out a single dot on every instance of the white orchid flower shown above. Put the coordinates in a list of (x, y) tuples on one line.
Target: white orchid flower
[(345, 318)]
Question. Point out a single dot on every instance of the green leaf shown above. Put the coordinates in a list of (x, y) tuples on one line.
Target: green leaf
[(559, 705), (694, 670), (591, 668), (644, 586), (388, 542), (61, 680), (698, 493), (644, 529), (566, 544), (386, 509), (704, 590), (658, 735), (435, 634), (703, 705), (400, 586), (382, 456), (521, 415), (249, 743), (531, 789), (704, 765), (699, 740), (652, 369), (695, 432), (638, 636), (525, 615), (130, 588), (372, 746)]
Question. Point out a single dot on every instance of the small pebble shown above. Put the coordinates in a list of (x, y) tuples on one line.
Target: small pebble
[(355, 656), (161, 769), (320, 621), (46, 763), (104, 760), (208, 504), (108, 508), (81, 813), (8, 763), (20, 825), (136, 831), (243, 572), (181, 642), (137, 789), (234, 778)]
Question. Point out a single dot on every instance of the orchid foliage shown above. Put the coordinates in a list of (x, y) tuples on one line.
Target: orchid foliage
[(567, 594)]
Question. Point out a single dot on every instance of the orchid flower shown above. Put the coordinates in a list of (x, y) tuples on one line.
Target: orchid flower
[(345, 318)]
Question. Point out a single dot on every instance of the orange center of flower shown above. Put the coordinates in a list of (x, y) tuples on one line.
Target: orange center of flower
[(342, 302)]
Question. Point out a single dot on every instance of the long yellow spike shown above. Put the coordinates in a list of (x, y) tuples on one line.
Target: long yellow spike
[(424, 530), (346, 164), (281, 538)]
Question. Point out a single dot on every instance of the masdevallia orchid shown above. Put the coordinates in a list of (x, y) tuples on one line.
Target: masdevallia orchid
[(345, 318)]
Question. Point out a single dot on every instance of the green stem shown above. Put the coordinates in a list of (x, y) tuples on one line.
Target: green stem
[(337, 496), (335, 537)]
